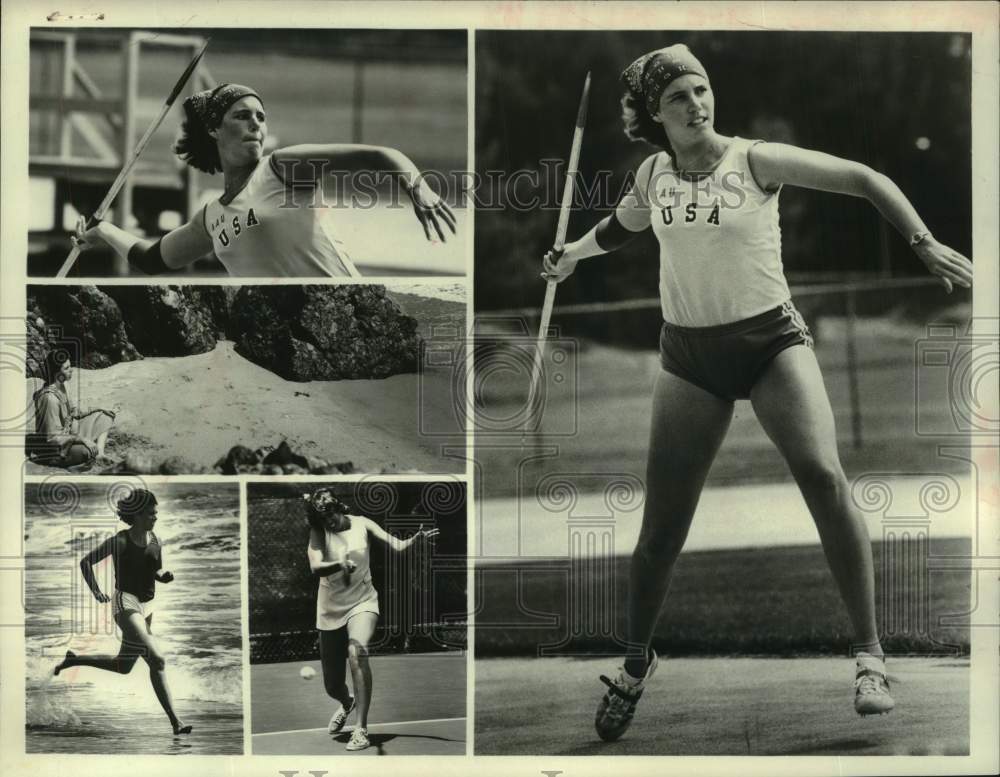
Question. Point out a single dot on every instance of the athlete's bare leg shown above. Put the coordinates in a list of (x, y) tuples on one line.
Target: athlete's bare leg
[(688, 426), (120, 664), (333, 659), (792, 405), (360, 630), (135, 629)]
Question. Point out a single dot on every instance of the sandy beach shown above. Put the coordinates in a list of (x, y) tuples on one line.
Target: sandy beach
[(198, 407)]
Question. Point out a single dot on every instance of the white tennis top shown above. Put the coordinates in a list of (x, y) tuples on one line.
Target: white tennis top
[(336, 599), (269, 230), (720, 242)]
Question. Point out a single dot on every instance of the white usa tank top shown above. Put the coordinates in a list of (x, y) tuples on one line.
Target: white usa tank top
[(270, 231), (720, 242)]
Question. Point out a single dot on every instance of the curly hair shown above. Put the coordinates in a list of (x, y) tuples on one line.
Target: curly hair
[(196, 147), (639, 125), (129, 507), (320, 503)]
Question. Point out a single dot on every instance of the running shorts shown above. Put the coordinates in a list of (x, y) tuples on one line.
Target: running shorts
[(727, 360), (123, 602)]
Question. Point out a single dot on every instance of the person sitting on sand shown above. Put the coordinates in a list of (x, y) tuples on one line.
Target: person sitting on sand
[(67, 435)]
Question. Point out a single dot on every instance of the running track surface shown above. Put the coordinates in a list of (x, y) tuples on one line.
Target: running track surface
[(418, 708), (722, 706)]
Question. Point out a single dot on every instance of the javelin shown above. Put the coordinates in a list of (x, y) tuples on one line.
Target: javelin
[(564, 209), (123, 175)]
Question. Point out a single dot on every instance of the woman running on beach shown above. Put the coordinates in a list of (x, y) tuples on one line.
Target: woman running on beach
[(138, 561), (731, 332), (346, 603), (65, 435), (270, 220)]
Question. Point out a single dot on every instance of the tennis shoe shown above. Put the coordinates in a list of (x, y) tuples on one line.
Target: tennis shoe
[(359, 739), (871, 686), (340, 717), (617, 708)]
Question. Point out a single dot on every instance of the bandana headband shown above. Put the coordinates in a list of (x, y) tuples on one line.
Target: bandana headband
[(211, 105), (651, 73)]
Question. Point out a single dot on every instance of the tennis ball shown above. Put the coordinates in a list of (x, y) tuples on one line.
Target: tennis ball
[(307, 673)]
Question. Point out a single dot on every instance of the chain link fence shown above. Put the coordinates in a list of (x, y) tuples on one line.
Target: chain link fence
[(422, 590)]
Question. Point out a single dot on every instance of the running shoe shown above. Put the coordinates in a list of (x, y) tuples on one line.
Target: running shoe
[(615, 712), (340, 717), (871, 686), (359, 739)]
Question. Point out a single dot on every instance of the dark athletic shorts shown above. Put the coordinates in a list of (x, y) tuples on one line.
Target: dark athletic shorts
[(727, 360)]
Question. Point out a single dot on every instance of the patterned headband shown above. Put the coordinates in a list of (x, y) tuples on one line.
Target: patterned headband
[(651, 73), (211, 105)]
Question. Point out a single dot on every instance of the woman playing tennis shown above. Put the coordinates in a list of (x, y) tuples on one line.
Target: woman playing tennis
[(269, 221), (138, 561), (346, 603), (731, 332)]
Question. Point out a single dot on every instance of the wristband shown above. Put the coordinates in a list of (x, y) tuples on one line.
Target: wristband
[(918, 238), (148, 259), (611, 234)]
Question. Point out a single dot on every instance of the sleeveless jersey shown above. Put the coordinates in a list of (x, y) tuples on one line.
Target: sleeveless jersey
[(269, 229), (135, 566), (335, 600), (720, 243)]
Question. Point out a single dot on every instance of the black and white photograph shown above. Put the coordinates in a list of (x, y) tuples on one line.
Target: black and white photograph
[(230, 380), (132, 627), (741, 239), (555, 380), (358, 618), (246, 152)]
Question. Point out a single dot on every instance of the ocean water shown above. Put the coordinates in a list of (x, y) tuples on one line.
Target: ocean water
[(435, 289), (196, 622)]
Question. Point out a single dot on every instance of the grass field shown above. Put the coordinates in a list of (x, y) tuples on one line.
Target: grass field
[(597, 409), (759, 601)]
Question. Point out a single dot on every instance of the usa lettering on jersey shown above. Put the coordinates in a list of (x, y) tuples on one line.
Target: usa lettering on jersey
[(227, 229)]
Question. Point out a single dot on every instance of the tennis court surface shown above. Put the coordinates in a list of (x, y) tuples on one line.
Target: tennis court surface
[(418, 708), (723, 706)]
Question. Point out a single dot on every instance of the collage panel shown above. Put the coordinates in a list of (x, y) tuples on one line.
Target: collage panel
[(358, 617), (247, 153), (546, 379), (133, 638), (679, 425), (232, 380)]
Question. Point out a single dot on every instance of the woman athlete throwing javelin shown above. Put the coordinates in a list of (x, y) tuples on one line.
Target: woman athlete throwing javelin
[(346, 603), (266, 223), (138, 560), (731, 332)]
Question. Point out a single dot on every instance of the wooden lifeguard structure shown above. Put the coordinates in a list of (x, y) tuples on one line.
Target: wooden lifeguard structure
[(82, 128)]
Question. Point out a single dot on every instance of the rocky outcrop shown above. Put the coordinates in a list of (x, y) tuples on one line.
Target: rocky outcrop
[(83, 320), (324, 332), (171, 320), (278, 461), (298, 332)]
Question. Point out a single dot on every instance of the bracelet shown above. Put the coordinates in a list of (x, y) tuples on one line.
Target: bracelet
[(918, 238)]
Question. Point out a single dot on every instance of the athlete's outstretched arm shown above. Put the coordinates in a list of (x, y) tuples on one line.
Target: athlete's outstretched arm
[(177, 248), (102, 551), (774, 164), (313, 160), (395, 542), (629, 219)]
